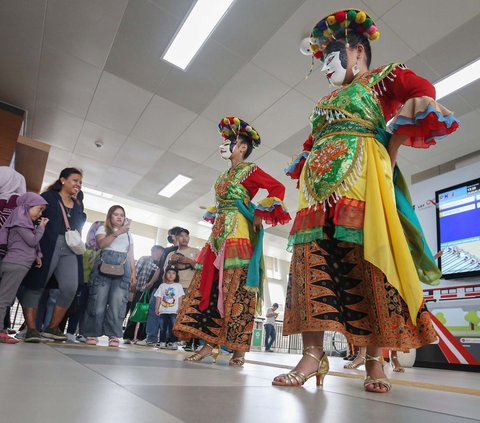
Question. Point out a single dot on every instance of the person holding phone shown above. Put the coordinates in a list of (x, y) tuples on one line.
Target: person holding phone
[(108, 295)]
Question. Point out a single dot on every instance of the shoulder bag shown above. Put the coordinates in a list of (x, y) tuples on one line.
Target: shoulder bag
[(72, 236), (140, 312), (114, 270)]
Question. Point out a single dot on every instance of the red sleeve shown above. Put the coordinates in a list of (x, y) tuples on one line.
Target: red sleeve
[(270, 209), (259, 179), (402, 85), (408, 101), (308, 144), (294, 169)]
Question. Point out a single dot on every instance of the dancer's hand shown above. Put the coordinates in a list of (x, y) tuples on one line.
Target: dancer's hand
[(393, 145), (257, 223)]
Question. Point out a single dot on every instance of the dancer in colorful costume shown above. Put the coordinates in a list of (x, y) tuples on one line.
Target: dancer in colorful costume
[(358, 250), (226, 288)]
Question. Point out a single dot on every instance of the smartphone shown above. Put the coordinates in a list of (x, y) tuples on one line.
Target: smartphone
[(127, 222)]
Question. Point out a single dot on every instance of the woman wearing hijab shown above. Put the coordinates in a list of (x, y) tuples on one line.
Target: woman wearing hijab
[(22, 237), (12, 185)]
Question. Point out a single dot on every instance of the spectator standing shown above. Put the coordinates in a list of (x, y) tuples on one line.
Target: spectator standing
[(12, 185), (22, 238), (153, 321), (108, 295), (147, 274), (269, 326), (75, 321), (184, 260), (58, 259), (168, 299)]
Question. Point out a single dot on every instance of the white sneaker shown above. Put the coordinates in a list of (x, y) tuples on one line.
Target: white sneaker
[(145, 343), (71, 339), (81, 338), (162, 345), (172, 346), (21, 334)]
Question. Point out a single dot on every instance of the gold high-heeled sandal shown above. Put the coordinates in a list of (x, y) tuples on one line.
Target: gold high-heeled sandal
[(215, 351), (237, 361), (297, 378), (396, 367), (382, 381), (353, 364)]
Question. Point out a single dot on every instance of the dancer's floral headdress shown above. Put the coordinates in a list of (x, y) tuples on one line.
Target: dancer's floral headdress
[(233, 126), (337, 25)]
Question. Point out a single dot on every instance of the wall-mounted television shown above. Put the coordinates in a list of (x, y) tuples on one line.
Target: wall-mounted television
[(458, 229)]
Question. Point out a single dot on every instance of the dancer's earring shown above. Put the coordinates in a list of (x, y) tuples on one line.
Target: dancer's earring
[(355, 69)]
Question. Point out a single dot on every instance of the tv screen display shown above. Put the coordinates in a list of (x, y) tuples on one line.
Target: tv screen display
[(458, 229)]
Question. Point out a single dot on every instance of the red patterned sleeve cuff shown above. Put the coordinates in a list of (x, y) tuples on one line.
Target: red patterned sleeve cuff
[(424, 121), (272, 211)]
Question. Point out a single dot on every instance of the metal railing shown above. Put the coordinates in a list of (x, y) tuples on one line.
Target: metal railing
[(334, 343)]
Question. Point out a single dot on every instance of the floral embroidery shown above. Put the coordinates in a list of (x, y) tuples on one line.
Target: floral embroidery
[(222, 187), (219, 226), (323, 158)]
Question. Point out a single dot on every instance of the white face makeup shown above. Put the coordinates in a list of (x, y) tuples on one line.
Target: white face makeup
[(333, 69), (225, 150)]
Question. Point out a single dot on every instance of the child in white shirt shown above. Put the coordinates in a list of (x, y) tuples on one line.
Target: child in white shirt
[(168, 300)]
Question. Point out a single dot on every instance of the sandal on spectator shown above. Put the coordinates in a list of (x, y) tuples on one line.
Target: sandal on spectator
[(5, 339), (113, 342)]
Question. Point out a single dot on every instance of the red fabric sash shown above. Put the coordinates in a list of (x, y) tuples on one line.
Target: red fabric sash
[(209, 275)]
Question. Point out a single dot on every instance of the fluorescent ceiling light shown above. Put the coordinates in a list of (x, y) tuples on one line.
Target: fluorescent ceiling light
[(92, 191), (175, 185), (199, 24), (96, 192), (457, 80)]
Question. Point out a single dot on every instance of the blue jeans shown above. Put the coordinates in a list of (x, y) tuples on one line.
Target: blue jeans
[(153, 321), (167, 320), (107, 299), (270, 335)]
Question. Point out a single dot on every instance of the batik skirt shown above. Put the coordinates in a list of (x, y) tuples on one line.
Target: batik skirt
[(234, 329), (331, 287)]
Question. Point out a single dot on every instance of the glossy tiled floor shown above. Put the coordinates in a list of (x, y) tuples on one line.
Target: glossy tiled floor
[(65, 383)]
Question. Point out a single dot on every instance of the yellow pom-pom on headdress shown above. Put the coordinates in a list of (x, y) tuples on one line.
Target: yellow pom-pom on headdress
[(336, 25), (232, 126)]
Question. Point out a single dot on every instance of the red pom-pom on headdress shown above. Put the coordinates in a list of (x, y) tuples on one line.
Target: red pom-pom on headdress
[(335, 25)]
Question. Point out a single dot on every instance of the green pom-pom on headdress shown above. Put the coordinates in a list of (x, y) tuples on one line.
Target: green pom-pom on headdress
[(336, 25), (232, 126)]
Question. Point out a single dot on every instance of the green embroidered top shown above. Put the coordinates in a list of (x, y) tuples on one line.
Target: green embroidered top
[(228, 189), (339, 121)]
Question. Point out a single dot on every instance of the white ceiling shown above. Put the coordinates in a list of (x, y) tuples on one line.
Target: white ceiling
[(92, 70)]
